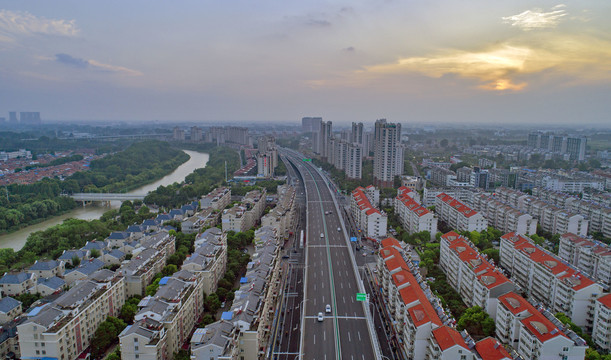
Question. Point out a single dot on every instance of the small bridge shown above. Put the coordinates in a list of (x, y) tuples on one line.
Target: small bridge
[(105, 197)]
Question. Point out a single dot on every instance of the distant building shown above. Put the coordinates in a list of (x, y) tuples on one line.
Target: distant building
[(12, 116), (310, 124), (29, 117), (196, 134), (178, 134), (387, 153)]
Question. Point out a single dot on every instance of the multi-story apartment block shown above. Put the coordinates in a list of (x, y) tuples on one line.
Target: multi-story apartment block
[(244, 216), (532, 334), (63, 329), (448, 344), (282, 216), (140, 271), (213, 341), (371, 221), (251, 313), (387, 153), (458, 215), (477, 281), (209, 260), (504, 217), (413, 316), (217, 199), (601, 332), (590, 256), (413, 216), (165, 320), (551, 218), (549, 280), (441, 176), (9, 309)]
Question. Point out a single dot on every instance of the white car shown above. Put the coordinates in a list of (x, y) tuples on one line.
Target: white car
[(322, 235), (321, 317), (328, 309), (339, 229)]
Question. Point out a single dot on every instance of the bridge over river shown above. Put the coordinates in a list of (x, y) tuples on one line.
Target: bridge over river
[(105, 197)]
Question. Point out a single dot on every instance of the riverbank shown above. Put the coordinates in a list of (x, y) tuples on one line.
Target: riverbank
[(17, 239)]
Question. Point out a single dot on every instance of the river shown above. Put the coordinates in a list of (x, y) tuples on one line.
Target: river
[(17, 239)]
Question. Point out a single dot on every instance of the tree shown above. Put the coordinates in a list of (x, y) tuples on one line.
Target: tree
[(95, 253), (477, 323), (169, 270), (105, 335), (212, 303)]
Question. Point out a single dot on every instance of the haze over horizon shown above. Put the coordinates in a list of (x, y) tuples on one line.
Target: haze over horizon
[(507, 63)]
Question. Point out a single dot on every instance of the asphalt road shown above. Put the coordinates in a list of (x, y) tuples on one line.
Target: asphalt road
[(330, 280)]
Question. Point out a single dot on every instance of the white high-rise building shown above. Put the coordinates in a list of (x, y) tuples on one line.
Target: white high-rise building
[(387, 153)]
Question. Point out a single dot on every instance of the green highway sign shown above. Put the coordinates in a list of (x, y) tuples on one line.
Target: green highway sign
[(307, 159), (361, 296)]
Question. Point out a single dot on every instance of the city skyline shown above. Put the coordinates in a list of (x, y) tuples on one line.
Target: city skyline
[(437, 62)]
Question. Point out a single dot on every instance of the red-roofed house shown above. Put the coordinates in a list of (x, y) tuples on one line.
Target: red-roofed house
[(447, 344), (532, 334), (478, 282), (490, 349), (413, 216), (458, 215), (549, 280), (601, 333), (371, 221), (591, 257)]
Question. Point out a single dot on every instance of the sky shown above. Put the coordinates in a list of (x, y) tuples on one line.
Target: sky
[(410, 61)]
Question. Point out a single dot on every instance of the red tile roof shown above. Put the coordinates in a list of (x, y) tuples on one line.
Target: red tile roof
[(459, 206), (390, 241), (605, 300), (447, 337), (490, 349)]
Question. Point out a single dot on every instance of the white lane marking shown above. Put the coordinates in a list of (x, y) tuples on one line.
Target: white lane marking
[(349, 339), (342, 285), (349, 286), (321, 273), (359, 333), (363, 357), (323, 299), (343, 298), (324, 335), (314, 287), (352, 299), (323, 285), (314, 339), (314, 301)]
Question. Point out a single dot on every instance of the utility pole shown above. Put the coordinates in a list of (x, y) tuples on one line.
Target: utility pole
[(225, 170)]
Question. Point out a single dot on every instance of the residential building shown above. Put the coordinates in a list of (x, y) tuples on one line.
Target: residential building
[(48, 286), (47, 268), (64, 328), (310, 124), (414, 217), (601, 331), (170, 314), (370, 221), (478, 282), (457, 215), (504, 217), (213, 341), (282, 216), (531, 332), (209, 260), (491, 349), (448, 344), (17, 283), (548, 280), (387, 153), (589, 256), (243, 216), (140, 270), (9, 309), (217, 199), (82, 271)]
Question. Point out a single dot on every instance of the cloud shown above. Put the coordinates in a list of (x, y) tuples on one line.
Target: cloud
[(508, 66), (72, 61), (536, 18), (22, 23)]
